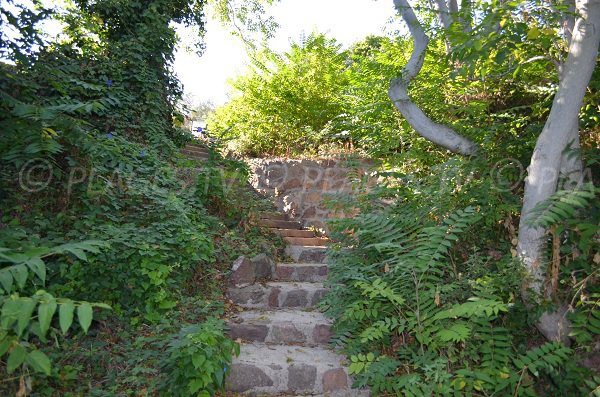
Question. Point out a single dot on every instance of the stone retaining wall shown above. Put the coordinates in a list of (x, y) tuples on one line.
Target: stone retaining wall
[(300, 187)]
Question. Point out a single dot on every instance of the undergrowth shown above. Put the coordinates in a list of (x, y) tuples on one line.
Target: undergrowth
[(113, 247), (425, 303)]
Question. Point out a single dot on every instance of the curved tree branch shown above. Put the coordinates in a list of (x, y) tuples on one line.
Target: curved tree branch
[(437, 133)]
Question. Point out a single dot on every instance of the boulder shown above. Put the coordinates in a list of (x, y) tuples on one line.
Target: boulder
[(264, 267), (242, 272)]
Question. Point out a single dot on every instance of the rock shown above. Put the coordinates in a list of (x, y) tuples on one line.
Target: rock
[(264, 267), (335, 379), (246, 295), (253, 332), (242, 272), (284, 272), (313, 197), (310, 212), (296, 298), (274, 298), (244, 377), (301, 377), (291, 184), (318, 297), (322, 333), (287, 333)]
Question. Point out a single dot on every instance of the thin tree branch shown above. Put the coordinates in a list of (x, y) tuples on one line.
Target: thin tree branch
[(437, 133)]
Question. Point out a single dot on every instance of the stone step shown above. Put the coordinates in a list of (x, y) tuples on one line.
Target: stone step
[(271, 370), (281, 224), (277, 295), (303, 272), (281, 327), (304, 254), (308, 241), (294, 232)]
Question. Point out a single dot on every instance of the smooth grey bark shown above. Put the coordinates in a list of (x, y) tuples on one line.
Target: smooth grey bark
[(435, 132), (547, 159), (444, 13)]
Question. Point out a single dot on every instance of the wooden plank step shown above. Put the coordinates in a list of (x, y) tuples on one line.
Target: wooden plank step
[(293, 232), (195, 154), (281, 224), (275, 216), (308, 241), (196, 147)]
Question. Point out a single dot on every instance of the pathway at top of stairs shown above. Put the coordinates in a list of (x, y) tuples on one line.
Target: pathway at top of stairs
[(284, 350), (196, 152)]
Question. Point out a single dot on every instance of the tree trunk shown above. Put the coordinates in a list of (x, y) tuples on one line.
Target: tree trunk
[(398, 92), (546, 161)]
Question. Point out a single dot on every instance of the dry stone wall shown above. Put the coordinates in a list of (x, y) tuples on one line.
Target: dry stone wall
[(300, 187)]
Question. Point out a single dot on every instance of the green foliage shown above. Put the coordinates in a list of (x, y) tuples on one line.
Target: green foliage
[(23, 319), (89, 151), (421, 309), (198, 358), (295, 94)]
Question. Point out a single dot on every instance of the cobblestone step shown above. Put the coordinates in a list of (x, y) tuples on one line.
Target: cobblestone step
[(263, 369), (277, 295), (281, 327), (304, 272), (306, 254)]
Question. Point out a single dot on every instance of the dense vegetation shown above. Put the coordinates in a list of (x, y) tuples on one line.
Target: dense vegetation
[(97, 206), (427, 286), (113, 247)]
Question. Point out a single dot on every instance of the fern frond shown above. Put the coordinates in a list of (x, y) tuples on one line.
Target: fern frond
[(549, 357), (562, 206)]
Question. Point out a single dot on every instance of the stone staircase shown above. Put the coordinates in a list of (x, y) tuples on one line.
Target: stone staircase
[(284, 339)]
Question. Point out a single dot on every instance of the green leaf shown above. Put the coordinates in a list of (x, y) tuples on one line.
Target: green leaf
[(198, 359), (85, 315), (65, 316), (39, 362), (24, 315), (533, 33), (45, 313), (20, 274), (4, 345), (459, 332), (6, 280), (15, 358), (38, 267)]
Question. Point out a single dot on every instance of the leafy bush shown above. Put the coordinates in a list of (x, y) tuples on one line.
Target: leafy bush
[(89, 151), (293, 95), (198, 358)]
